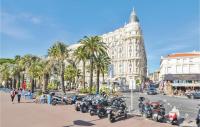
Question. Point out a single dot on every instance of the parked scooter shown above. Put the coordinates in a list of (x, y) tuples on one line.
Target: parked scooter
[(59, 100), (117, 109), (198, 119), (158, 111), (141, 104), (86, 103), (98, 107), (93, 107), (79, 101), (173, 115), (147, 110)]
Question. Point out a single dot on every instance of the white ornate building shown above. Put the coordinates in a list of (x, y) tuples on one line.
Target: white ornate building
[(127, 52)]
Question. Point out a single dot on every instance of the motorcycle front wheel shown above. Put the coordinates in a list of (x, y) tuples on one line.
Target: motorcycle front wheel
[(101, 114), (125, 115), (76, 108), (144, 115), (83, 109), (91, 112), (54, 103), (110, 118)]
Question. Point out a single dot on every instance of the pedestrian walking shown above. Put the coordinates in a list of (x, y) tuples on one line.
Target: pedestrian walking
[(12, 95), (19, 94)]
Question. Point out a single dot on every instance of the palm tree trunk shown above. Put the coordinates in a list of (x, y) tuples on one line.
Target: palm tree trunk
[(35, 83), (73, 82), (14, 82), (45, 83), (18, 83), (32, 85), (76, 82), (6, 83), (91, 74), (62, 77), (103, 77), (84, 74), (11, 83), (22, 77), (98, 73)]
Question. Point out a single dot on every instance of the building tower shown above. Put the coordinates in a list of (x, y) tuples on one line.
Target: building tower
[(127, 52)]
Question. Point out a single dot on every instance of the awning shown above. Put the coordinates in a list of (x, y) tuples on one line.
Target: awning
[(186, 84), (172, 77)]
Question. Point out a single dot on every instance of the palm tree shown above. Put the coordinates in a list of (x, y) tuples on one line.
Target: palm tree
[(46, 66), (34, 71), (5, 73), (28, 63), (92, 46), (70, 74), (81, 55), (102, 61), (18, 69), (59, 53)]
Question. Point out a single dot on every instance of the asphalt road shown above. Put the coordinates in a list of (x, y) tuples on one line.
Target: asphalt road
[(188, 108)]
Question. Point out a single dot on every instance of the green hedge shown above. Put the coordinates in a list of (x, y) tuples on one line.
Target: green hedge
[(102, 89), (87, 90)]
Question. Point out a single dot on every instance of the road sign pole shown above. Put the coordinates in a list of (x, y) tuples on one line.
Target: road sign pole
[(131, 99)]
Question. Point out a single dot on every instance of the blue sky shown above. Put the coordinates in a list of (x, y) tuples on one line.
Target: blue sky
[(32, 26)]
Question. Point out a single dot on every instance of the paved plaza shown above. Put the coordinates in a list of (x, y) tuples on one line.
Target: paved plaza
[(28, 114)]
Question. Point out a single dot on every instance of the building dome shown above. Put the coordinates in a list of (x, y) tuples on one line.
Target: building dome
[(133, 17)]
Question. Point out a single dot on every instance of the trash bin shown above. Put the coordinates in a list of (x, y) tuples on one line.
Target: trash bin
[(48, 99)]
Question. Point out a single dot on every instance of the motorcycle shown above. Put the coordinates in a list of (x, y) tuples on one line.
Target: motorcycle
[(79, 100), (198, 119), (147, 110), (158, 111), (117, 109), (86, 103), (93, 107), (98, 107), (141, 104), (59, 100), (102, 111)]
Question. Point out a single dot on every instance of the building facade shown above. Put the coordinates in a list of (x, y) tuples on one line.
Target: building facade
[(154, 76), (127, 52), (182, 69)]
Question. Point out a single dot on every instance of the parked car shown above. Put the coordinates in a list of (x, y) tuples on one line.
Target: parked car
[(193, 95), (151, 90)]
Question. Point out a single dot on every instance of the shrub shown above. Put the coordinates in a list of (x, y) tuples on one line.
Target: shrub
[(105, 89), (52, 86), (82, 90), (28, 86), (39, 92)]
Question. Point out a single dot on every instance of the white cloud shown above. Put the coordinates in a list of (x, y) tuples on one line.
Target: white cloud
[(12, 24), (9, 27)]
